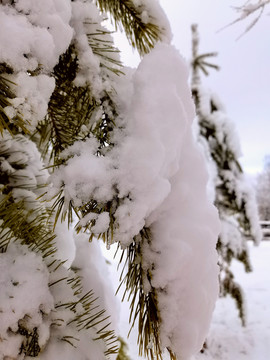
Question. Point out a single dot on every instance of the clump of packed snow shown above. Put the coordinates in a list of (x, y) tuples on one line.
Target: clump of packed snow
[(64, 243), (88, 33), (25, 299), (34, 33), (23, 170), (32, 96), (91, 265), (33, 306), (172, 182), (227, 339), (151, 12), (157, 173), (70, 339)]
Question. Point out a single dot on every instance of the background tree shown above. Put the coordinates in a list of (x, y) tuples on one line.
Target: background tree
[(233, 197), (263, 191)]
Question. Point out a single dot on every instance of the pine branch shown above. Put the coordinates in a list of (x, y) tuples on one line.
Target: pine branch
[(143, 305), (199, 61), (247, 10), (103, 47), (26, 227), (126, 14), (23, 217), (228, 286), (87, 314), (72, 111), (6, 95), (70, 107)]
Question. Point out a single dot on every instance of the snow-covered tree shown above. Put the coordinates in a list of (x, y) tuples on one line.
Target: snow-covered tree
[(233, 196), (91, 150), (263, 191)]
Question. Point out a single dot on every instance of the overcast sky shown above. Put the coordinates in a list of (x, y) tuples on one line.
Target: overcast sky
[(243, 83)]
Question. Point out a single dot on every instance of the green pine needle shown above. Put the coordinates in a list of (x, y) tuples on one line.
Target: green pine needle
[(126, 15), (143, 306), (6, 94)]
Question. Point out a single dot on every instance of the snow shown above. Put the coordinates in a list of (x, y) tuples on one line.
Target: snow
[(227, 339), (153, 12), (32, 97), (95, 273), (33, 297), (85, 18), (225, 128), (33, 36), (64, 242), (34, 32), (27, 178), (222, 150), (157, 173), (25, 298), (84, 345)]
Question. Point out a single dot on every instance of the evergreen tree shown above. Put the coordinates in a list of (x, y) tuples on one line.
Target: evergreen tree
[(263, 191), (87, 144), (233, 197)]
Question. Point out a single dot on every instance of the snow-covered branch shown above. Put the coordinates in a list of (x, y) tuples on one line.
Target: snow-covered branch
[(248, 9)]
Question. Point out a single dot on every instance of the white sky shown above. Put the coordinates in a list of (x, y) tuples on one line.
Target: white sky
[(243, 84)]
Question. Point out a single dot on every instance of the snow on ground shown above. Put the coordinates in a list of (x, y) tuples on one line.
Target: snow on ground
[(228, 340)]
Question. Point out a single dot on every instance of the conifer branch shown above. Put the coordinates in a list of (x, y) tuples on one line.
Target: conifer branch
[(30, 222), (126, 14), (103, 47), (73, 111), (6, 95), (228, 286), (87, 314), (70, 108), (143, 305), (199, 61), (246, 11)]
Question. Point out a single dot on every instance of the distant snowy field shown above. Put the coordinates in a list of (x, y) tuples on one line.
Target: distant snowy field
[(228, 340)]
